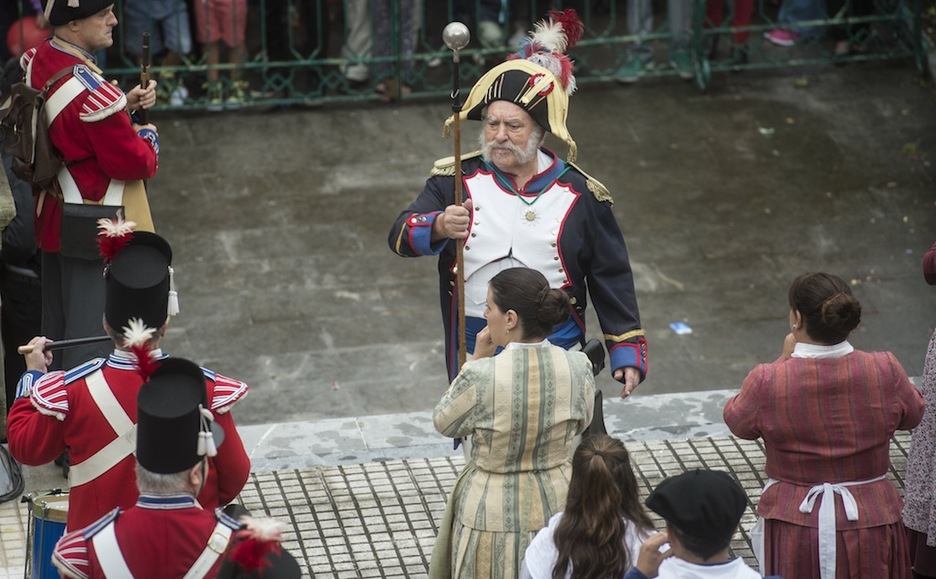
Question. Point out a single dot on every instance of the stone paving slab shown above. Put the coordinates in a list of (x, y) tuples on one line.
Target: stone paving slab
[(378, 519)]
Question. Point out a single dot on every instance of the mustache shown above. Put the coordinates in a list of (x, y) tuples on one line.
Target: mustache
[(487, 147)]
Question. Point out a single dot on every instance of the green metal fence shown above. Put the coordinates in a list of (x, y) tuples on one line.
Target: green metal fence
[(312, 52)]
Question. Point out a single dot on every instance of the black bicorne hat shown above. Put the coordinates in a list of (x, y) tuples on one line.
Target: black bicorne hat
[(538, 78)]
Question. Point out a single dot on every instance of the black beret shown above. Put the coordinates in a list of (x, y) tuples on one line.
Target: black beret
[(704, 504)]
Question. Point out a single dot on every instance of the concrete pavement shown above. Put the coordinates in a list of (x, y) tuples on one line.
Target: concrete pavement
[(279, 224)]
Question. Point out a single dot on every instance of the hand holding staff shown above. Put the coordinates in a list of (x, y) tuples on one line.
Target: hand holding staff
[(59, 344), (456, 36)]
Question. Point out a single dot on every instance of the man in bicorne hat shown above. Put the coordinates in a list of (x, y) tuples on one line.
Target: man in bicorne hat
[(90, 410), (107, 155), (166, 533), (524, 206)]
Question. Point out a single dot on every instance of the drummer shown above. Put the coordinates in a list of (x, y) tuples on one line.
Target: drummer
[(167, 533), (90, 411)]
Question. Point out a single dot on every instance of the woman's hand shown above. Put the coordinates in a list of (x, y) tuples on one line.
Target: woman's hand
[(484, 345)]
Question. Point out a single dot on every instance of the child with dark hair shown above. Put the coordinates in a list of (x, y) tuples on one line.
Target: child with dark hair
[(702, 509), (603, 525)]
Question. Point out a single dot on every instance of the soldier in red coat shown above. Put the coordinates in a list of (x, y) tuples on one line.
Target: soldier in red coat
[(107, 153), (91, 410), (166, 533)]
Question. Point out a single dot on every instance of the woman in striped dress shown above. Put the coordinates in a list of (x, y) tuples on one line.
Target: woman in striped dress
[(827, 412), (522, 407)]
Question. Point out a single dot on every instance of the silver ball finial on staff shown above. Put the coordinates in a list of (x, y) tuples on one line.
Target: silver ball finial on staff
[(456, 36)]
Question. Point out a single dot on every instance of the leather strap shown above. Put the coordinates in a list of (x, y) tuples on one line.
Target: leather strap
[(217, 545), (119, 448), (108, 553), (71, 194)]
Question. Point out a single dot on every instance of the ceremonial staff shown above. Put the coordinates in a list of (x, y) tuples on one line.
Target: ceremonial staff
[(456, 36), (145, 64), (59, 344)]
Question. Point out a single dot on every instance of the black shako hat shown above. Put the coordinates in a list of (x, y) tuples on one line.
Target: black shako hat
[(175, 429), (138, 282), (704, 504), (61, 12)]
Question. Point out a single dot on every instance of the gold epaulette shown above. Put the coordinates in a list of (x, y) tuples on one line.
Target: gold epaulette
[(600, 192), (445, 167)]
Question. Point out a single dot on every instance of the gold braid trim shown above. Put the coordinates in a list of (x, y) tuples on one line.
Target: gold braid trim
[(600, 192), (624, 337), (445, 167)]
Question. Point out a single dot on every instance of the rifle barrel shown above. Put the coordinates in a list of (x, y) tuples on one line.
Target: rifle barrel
[(145, 64)]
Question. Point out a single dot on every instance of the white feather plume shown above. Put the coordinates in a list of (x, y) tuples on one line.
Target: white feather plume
[(549, 34), (552, 63), (117, 228), (136, 333), (264, 528)]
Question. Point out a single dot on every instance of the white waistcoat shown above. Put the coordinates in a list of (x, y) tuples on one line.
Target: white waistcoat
[(507, 232)]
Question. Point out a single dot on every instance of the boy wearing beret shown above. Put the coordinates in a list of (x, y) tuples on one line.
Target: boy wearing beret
[(702, 509)]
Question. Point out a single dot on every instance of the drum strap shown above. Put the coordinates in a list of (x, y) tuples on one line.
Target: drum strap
[(217, 544), (108, 553), (114, 565), (118, 449)]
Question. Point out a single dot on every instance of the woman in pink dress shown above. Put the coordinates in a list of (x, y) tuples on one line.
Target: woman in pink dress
[(826, 413)]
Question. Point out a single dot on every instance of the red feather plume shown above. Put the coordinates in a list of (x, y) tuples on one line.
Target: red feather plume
[(109, 247), (252, 554), (145, 363), (136, 337), (571, 24), (113, 236)]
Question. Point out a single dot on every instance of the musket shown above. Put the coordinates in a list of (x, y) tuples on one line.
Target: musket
[(456, 36), (59, 344), (145, 63)]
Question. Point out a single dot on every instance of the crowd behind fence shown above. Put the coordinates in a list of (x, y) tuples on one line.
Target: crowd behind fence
[(228, 54)]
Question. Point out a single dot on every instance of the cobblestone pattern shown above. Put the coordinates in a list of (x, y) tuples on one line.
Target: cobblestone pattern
[(379, 519)]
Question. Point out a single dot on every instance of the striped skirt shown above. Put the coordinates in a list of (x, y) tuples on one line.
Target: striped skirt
[(792, 551)]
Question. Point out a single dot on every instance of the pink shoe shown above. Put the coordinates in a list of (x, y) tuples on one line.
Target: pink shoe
[(782, 37)]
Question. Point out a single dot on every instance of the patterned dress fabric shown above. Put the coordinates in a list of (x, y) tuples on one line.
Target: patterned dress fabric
[(919, 514), (829, 420), (522, 408)]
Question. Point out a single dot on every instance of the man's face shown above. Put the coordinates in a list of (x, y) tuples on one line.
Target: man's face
[(96, 31), (509, 138)]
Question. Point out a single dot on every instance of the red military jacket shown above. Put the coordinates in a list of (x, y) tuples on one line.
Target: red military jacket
[(94, 133), (60, 413), (160, 537)]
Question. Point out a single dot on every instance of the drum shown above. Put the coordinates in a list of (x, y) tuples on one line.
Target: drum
[(48, 511)]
